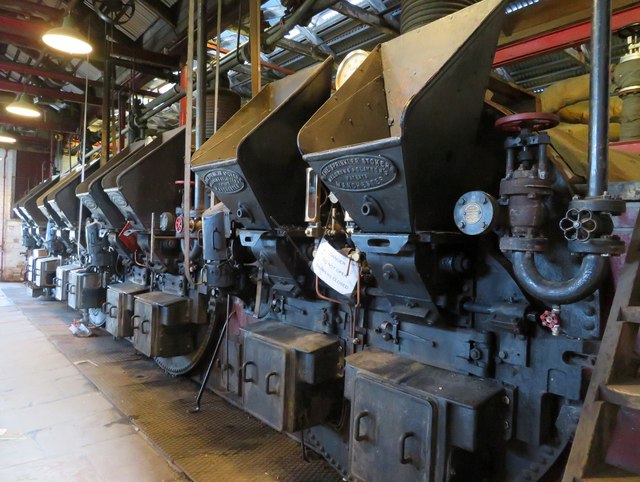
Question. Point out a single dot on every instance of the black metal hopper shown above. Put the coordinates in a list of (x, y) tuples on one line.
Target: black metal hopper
[(62, 201), (27, 209), (92, 195), (396, 143), (148, 184), (252, 163), (45, 208)]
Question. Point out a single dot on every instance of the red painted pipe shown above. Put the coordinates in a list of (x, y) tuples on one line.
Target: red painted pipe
[(183, 102)]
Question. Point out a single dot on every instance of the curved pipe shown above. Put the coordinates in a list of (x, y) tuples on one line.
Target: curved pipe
[(584, 283)]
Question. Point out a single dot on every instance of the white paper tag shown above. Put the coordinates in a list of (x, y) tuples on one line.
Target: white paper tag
[(335, 269)]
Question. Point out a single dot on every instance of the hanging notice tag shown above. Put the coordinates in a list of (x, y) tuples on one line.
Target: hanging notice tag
[(335, 269)]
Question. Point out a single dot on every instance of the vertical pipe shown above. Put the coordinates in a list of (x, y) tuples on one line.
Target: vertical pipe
[(122, 116), (187, 147), (106, 110), (201, 100), (4, 215), (216, 88), (599, 102), (216, 91), (182, 120), (52, 156), (83, 150), (254, 40)]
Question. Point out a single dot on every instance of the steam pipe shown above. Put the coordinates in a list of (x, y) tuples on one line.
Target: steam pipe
[(593, 267), (186, 201), (585, 282), (201, 100), (599, 102)]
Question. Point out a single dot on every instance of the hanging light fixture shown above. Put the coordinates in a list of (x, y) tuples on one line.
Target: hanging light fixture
[(6, 138), (67, 39), (24, 107)]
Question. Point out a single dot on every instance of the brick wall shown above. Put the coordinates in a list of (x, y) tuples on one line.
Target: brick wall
[(11, 260)]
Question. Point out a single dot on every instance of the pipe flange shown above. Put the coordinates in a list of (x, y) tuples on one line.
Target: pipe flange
[(530, 245), (524, 186), (609, 205), (605, 246)]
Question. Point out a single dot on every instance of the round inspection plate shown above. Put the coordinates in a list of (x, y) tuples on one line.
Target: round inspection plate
[(475, 213)]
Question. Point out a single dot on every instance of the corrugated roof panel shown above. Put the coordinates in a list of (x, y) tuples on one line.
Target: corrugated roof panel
[(142, 19)]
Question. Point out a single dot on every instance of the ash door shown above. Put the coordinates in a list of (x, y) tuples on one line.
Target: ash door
[(263, 381), (390, 434)]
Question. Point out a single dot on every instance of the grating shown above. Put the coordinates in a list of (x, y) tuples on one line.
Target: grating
[(221, 442)]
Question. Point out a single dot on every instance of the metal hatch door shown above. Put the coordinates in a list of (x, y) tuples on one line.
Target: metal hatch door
[(390, 434), (263, 380)]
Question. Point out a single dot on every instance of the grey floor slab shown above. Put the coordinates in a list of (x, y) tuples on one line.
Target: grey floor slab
[(54, 424)]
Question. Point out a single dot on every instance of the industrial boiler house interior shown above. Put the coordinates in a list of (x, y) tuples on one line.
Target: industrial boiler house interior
[(320, 240)]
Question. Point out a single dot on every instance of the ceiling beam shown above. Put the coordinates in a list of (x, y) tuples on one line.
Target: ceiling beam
[(61, 76), (46, 124), (46, 92), (549, 16), (28, 8), (35, 30), (560, 39)]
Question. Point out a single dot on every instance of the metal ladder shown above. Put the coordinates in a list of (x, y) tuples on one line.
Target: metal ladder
[(605, 446)]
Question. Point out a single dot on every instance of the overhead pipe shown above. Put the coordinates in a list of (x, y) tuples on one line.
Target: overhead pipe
[(594, 266), (226, 64), (366, 17)]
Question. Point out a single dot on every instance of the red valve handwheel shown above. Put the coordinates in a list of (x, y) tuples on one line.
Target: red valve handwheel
[(534, 121)]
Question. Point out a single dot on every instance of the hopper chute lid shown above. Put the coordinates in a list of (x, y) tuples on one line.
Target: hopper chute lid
[(225, 144), (408, 118), (247, 160), (92, 195), (148, 183), (29, 203), (61, 198), (397, 75)]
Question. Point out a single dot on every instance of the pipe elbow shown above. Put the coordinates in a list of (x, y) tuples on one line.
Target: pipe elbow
[(584, 283)]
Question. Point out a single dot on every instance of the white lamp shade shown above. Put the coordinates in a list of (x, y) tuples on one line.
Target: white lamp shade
[(67, 39), (22, 107)]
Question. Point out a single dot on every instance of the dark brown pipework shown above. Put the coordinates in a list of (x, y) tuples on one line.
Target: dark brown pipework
[(526, 188)]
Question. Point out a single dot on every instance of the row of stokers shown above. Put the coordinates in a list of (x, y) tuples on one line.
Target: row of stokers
[(80, 288), (152, 319)]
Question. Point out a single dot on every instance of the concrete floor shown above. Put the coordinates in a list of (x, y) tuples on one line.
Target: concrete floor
[(54, 424)]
